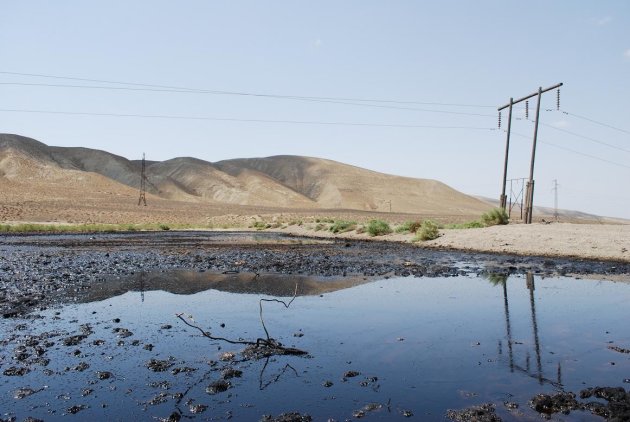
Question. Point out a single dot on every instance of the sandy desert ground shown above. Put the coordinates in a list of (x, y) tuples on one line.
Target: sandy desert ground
[(583, 241)]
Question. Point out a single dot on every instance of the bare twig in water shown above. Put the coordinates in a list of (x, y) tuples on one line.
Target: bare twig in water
[(261, 347), (286, 305), (210, 336), (262, 386)]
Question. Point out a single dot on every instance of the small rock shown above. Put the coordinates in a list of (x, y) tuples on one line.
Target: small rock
[(157, 365), (20, 393), (351, 374), (227, 356), (73, 340), (228, 373), (76, 409), (197, 408), (104, 375), (218, 387), (16, 372)]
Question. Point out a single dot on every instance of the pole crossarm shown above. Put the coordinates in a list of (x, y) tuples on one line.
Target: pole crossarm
[(530, 96)]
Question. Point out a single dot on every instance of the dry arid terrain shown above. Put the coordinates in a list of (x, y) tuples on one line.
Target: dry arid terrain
[(55, 185), (585, 241)]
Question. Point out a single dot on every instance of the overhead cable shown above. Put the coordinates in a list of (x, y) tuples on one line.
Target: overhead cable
[(230, 119), (243, 93)]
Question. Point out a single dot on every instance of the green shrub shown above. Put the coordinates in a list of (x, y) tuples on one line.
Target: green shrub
[(341, 226), (495, 217), (428, 231), (495, 278), (408, 227), (319, 227), (260, 225), (476, 224), (378, 228), (164, 227)]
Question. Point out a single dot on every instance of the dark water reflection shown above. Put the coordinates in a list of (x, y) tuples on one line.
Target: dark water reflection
[(422, 345)]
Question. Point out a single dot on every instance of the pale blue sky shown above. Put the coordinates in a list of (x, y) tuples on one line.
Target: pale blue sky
[(464, 52)]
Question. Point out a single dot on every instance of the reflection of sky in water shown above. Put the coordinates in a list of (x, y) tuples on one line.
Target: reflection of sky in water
[(433, 343)]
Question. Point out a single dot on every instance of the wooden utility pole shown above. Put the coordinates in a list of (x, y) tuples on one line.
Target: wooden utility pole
[(529, 195), (503, 198)]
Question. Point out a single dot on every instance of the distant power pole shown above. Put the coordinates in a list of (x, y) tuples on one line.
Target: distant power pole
[(143, 184), (529, 195), (555, 200)]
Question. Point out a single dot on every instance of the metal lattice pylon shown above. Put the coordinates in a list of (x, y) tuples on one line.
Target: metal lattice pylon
[(143, 184)]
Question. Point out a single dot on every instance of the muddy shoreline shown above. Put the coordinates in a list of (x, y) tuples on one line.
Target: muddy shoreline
[(37, 271)]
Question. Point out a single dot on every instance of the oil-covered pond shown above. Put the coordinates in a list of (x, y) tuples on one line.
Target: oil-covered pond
[(381, 349)]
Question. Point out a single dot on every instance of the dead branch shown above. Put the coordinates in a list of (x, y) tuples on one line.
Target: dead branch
[(261, 347), (210, 336), (286, 305), (262, 385)]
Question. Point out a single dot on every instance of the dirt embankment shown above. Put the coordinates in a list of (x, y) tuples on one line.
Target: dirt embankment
[(583, 241)]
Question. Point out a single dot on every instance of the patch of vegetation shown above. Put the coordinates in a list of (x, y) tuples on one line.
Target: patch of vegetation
[(342, 226), (495, 278), (164, 227), (260, 225), (378, 228), (428, 231), (408, 227), (495, 217), (319, 227), (324, 220), (476, 224)]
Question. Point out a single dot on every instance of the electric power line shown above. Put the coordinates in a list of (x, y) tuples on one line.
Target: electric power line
[(229, 119), (588, 138), (243, 93), (297, 98), (574, 151), (597, 122)]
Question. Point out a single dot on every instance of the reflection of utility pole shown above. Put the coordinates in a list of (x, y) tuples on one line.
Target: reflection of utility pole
[(508, 325), (531, 287), (514, 366), (529, 196)]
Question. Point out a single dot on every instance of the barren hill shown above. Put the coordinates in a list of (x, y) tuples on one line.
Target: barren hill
[(336, 185), (32, 171)]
